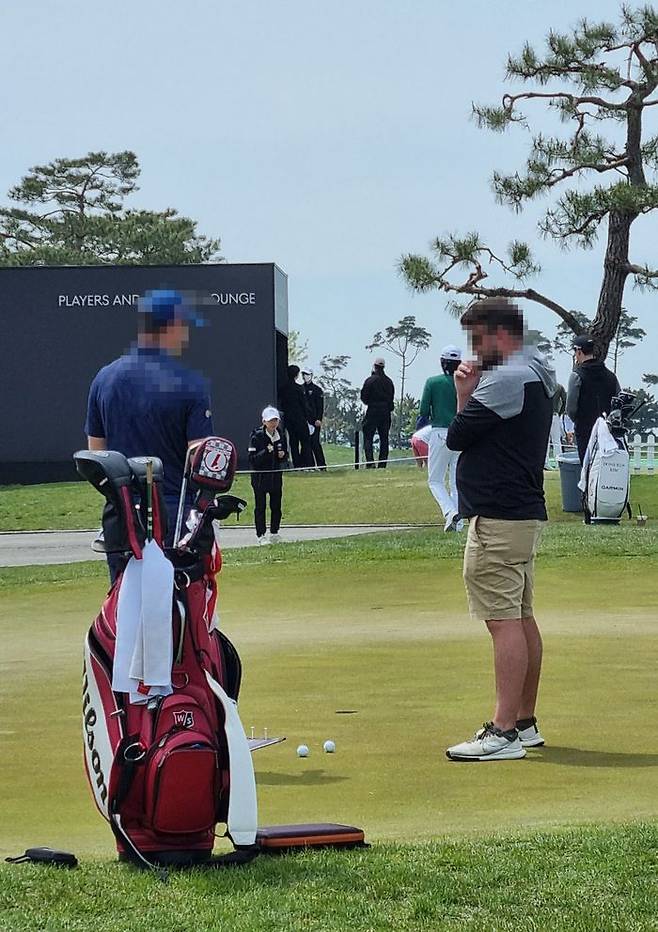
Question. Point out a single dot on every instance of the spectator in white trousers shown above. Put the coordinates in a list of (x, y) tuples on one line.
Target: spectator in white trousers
[(555, 436), (439, 405)]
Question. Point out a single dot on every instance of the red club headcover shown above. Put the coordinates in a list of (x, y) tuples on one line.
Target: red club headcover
[(213, 464)]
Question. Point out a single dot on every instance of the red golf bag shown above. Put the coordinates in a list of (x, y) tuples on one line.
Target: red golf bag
[(165, 769)]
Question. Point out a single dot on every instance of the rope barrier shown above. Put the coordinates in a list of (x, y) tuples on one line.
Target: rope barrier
[(408, 460), (291, 469)]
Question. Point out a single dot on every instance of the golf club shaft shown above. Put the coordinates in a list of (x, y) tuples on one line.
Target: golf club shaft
[(149, 500), (183, 492)]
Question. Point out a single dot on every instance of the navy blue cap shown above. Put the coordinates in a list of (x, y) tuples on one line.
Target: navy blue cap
[(165, 306)]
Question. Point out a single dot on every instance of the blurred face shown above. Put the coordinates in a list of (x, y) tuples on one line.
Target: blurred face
[(175, 338), (492, 347), (271, 425), (579, 356)]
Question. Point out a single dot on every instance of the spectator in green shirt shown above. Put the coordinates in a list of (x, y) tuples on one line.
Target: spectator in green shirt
[(439, 406)]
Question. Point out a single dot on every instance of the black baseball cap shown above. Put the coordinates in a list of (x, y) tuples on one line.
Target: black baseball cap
[(584, 343)]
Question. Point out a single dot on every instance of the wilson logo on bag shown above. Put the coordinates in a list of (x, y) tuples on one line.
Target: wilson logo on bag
[(184, 719)]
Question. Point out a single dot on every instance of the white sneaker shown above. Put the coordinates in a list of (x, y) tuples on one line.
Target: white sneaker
[(261, 541), (490, 743), (531, 737), (275, 538)]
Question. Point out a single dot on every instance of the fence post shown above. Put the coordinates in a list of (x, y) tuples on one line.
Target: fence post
[(356, 449), (637, 453), (651, 452)]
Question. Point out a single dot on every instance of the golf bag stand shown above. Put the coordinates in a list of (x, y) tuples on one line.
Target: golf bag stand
[(607, 471), (164, 765)]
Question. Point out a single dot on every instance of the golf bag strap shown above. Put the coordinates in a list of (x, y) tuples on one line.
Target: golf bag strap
[(185, 577), (129, 767), (129, 511)]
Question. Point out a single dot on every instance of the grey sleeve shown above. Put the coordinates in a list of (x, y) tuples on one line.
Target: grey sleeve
[(502, 392), (573, 394)]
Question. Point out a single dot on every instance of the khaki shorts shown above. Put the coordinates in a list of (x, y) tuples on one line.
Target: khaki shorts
[(499, 564)]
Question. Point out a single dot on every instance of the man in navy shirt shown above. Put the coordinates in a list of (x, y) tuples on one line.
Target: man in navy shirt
[(146, 402)]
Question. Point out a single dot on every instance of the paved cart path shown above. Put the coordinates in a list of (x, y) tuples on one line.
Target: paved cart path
[(46, 547)]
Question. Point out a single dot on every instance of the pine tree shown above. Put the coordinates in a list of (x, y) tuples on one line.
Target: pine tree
[(598, 76), (73, 213)]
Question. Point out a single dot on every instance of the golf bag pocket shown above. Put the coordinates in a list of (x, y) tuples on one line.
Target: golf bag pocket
[(181, 785)]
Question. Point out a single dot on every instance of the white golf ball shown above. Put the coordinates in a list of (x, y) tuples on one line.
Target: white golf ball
[(329, 746), (302, 750)]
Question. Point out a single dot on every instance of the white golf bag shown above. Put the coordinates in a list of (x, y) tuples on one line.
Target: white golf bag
[(605, 478)]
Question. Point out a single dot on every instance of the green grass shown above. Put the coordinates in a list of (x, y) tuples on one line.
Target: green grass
[(558, 881), (561, 840), (398, 495), (378, 625)]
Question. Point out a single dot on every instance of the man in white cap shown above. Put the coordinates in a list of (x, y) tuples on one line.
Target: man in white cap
[(439, 405), (268, 455), (315, 404)]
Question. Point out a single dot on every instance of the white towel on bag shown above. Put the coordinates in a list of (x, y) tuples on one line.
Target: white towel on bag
[(144, 650)]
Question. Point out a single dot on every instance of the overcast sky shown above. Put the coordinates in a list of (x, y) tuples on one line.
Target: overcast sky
[(327, 137)]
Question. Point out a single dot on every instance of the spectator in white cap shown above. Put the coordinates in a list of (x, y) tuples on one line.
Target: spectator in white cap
[(315, 407), (377, 394), (439, 406), (268, 457)]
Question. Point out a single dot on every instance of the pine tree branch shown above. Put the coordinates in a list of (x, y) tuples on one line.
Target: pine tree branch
[(530, 294), (509, 100), (569, 172), (640, 270)]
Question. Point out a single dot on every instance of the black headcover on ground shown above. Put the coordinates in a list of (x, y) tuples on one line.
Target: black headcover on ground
[(45, 856)]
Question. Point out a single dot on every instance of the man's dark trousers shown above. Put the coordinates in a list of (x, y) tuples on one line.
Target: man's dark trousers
[(582, 442), (316, 449), (274, 489), (300, 444), (379, 422)]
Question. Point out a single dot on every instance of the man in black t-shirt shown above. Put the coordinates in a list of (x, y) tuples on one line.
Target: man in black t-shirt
[(504, 411)]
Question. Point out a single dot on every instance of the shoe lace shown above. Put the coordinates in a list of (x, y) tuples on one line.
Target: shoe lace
[(487, 729)]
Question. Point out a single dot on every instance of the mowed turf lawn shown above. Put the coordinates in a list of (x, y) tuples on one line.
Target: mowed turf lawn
[(375, 625), (564, 839), (397, 495)]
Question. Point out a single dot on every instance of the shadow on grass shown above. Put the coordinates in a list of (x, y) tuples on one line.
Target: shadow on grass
[(578, 757), (308, 778)]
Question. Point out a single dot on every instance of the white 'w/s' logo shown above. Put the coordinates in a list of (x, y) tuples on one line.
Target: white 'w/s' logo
[(184, 719)]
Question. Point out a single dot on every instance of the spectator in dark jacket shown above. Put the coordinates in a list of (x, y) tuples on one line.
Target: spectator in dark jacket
[(377, 394), (315, 408), (292, 404), (590, 390), (268, 455)]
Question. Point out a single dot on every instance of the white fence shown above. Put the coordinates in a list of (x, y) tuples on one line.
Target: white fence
[(642, 449), (643, 452)]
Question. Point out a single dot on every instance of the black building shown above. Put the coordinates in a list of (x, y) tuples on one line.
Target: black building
[(60, 325)]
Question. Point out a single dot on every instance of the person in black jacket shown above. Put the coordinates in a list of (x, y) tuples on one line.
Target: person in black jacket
[(292, 404), (377, 394), (268, 456), (590, 390), (315, 408), (504, 413)]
